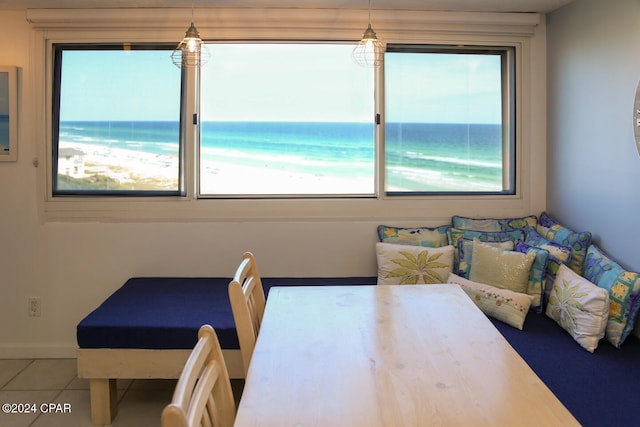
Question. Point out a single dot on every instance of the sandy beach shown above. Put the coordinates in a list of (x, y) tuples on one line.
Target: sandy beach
[(142, 170)]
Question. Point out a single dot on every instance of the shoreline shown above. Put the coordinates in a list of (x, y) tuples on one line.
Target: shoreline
[(149, 171), (129, 166)]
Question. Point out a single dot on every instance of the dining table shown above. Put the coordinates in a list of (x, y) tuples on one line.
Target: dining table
[(409, 355)]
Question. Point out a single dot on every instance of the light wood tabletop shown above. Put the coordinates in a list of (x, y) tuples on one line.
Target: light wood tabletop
[(392, 356)]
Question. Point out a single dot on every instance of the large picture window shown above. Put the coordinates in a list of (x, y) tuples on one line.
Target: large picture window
[(116, 118), (286, 119), (449, 120)]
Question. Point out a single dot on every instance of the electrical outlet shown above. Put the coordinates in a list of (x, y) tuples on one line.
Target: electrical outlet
[(35, 307)]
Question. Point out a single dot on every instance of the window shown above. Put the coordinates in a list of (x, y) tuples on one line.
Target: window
[(449, 120), (286, 119), (116, 118)]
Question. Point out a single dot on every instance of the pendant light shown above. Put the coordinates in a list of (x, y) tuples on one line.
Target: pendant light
[(190, 52), (369, 51)]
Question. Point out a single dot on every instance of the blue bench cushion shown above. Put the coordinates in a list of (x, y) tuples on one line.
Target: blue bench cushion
[(166, 313), (160, 313), (599, 389)]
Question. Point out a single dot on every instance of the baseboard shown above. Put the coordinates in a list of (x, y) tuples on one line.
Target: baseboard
[(36, 351)]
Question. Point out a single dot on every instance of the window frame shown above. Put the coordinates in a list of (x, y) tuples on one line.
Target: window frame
[(525, 32), (509, 119), (57, 51)]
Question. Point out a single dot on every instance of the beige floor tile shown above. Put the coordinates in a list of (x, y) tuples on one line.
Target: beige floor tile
[(44, 374), (44, 381), (78, 384), (24, 400), (142, 408), (9, 368), (71, 408)]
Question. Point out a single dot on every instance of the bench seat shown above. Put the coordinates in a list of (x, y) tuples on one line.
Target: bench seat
[(160, 313), (599, 388), (148, 327)]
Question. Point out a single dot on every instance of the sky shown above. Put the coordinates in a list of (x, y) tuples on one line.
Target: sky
[(443, 88), (119, 85), (294, 82), (276, 82)]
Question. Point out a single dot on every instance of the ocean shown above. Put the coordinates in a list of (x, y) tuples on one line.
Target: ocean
[(420, 157)]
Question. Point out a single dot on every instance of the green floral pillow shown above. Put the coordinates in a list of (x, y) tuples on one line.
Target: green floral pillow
[(580, 307), (411, 265)]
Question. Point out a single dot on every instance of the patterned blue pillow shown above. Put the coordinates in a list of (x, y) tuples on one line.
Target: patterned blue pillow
[(537, 275), (578, 242), (493, 224), (422, 236), (624, 293), (558, 255), (599, 268)]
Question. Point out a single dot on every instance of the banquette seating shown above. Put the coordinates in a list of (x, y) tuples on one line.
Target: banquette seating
[(149, 326)]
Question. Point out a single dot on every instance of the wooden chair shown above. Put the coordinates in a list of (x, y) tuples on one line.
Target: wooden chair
[(247, 303), (203, 395)]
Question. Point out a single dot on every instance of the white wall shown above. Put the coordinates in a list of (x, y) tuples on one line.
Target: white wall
[(593, 165), (73, 264)]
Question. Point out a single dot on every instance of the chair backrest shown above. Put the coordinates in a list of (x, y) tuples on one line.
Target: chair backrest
[(247, 303), (203, 395)]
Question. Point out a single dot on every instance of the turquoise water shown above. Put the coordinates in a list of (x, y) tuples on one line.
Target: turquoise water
[(420, 157)]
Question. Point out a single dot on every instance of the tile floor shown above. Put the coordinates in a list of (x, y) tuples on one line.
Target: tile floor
[(54, 381)]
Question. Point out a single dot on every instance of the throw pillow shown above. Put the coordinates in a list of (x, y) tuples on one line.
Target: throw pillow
[(558, 255), (465, 253), (497, 267), (455, 234), (410, 265), (493, 224), (537, 274), (422, 236), (624, 293), (578, 242), (580, 307), (502, 304)]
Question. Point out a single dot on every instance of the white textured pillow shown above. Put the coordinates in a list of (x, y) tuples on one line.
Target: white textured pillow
[(502, 304), (580, 307), (411, 265), (502, 268)]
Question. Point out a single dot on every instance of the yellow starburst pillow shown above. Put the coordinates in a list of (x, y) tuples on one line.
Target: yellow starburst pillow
[(411, 265)]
